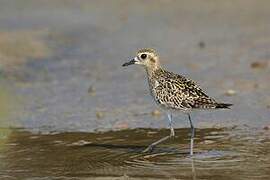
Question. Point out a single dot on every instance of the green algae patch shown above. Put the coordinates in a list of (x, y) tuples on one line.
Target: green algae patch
[(9, 107)]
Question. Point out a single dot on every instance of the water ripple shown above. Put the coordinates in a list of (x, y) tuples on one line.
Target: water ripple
[(228, 155)]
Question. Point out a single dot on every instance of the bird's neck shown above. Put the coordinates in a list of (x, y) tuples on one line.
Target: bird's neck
[(152, 76), (152, 71)]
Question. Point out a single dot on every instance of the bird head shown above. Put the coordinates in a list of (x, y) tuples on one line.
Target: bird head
[(145, 57)]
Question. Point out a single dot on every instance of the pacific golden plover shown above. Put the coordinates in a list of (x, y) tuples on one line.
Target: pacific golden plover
[(173, 92)]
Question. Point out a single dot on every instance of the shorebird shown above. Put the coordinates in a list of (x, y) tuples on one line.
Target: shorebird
[(173, 92)]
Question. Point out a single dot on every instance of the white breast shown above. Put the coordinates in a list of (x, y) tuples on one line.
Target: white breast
[(156, 84)]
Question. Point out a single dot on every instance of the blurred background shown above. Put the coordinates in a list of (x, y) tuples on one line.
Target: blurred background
[(53, 51), (60, 66)]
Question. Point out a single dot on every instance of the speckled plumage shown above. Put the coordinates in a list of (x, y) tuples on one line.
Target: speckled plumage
[(176, 92), (172, 91)]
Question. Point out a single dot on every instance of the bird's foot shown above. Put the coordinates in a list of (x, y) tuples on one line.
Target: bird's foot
[(149, 149)]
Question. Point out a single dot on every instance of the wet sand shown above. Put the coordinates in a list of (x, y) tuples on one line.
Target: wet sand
[(69, 47)]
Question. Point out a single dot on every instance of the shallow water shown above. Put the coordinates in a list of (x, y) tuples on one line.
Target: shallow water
[(219, 154)]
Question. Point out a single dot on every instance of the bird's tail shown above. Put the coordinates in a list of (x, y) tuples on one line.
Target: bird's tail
[(223, 106)]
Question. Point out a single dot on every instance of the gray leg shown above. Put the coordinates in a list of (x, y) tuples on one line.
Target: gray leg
[(192, 134), (171, 125), (193, 169), (172, 134)]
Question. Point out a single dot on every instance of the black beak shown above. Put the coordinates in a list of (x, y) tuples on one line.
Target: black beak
[(129, 63)]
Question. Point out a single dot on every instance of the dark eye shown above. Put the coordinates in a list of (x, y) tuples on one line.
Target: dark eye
[(143, 56)]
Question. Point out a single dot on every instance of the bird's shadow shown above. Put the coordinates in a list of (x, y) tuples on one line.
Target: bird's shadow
[(135, 148)]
